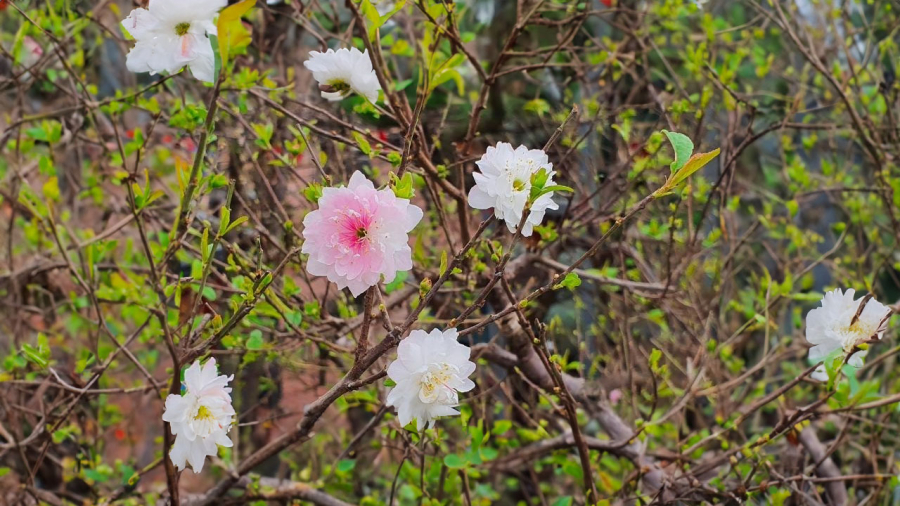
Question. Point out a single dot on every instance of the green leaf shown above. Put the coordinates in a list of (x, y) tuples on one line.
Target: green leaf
[(236, 223), (571, 281), (374, 19), (443, 262), (51, 189), (204, 245), (362, 143), (397, 283), (448, 74), (539, 179), (501, 426), (233, 36), (683, 148), (655, 355), (537, 106), (346, 465), (255, 341), (403, 187), (695, 163), (313, 192), (39, 356), (550, 189), (454, 461)]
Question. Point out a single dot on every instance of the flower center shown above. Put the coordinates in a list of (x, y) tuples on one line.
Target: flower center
[(203, 414), (355, 231), (181, 29), (335, 86), (518, 185), (434, 384), (857, 333)]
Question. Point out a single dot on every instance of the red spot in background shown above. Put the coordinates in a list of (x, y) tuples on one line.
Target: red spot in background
[(130, 134), (188, 144), (607, 3), (278, 150), (168, 139), (119, 434), (383, 136), (4, 4)]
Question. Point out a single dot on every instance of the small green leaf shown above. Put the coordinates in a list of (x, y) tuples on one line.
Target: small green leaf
[(51, 189), (550, 189), (655, 355), (443, 262), (403, 187), (363, 144), (255, 341), (571, 281), (454, 461), (501, 426), (236, 223), (696, 162), (537, 106), (683, 147), (313, 192), (346, 465)]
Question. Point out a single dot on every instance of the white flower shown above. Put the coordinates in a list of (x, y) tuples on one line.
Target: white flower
[(343, 71), (430, 370), (201, 418), (504, 183), (172, 34), (841, 324)]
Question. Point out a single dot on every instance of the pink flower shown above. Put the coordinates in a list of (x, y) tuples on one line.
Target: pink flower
[(359, 234)]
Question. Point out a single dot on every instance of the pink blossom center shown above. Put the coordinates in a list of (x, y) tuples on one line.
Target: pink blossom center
[(354, 231)]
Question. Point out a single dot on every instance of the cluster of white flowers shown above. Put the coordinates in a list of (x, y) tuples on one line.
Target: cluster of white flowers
[(200, 418), (842, 324), (505, 181)]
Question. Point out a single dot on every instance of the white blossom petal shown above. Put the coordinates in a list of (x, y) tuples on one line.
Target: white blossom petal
[(504, 184), (171, 34), (839, 325), (201, 417), (430, 370), (345, 70)]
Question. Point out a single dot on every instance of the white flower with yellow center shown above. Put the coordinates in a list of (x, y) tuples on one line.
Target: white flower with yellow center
[(430, 371), (842, 324), (170, 34), (504, 184), (200, 418), (342, 72)]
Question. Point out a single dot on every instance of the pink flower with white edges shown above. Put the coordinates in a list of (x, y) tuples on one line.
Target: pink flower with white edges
[(359, 234)]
